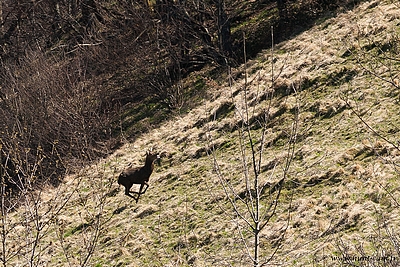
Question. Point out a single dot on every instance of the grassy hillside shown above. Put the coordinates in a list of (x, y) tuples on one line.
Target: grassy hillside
[(336, 83)]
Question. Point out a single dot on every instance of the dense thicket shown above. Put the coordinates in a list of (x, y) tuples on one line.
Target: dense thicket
[(68, 66)]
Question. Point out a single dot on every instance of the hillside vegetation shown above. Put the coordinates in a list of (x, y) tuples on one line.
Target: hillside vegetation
[(323, 105)]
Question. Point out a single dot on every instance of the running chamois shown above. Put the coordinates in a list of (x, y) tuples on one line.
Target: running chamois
[(138, 175)]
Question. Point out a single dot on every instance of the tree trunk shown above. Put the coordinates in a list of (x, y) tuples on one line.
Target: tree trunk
[(164, 9), (256, 244), (89, 13), (282, 9), (224, 30), (1, 18)]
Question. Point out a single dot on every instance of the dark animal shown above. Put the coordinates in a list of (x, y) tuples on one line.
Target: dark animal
[(138, 175)]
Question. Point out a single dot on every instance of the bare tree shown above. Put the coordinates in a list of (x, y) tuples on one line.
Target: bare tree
[(256, 199)]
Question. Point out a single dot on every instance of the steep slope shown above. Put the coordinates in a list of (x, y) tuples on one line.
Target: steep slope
[(342, 189)]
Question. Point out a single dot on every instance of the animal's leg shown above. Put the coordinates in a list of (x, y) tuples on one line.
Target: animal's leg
[(141, 187), (128, 193), (140, 191)]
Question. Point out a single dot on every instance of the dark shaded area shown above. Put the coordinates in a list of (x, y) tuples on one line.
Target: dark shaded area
[(286, 18), (221, 112), (330, 177), (76, 74)]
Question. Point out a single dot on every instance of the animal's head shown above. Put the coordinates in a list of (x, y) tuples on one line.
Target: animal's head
[(152, 156)]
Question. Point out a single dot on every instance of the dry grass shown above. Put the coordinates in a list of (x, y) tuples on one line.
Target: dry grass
[(347, 177)]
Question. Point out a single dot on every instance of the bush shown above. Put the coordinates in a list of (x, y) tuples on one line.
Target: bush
[(51, 116)]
